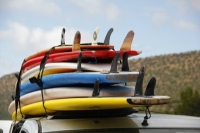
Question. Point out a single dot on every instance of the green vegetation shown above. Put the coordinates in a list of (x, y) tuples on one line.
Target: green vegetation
[(190, 103)]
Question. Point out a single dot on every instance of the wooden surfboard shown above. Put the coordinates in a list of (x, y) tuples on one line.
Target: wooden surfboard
[(87, 56), (74, 104), (85, 78), (70, 92), (53, 68)]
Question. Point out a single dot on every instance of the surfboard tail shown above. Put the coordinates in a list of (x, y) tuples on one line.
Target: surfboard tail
[(139, 52)]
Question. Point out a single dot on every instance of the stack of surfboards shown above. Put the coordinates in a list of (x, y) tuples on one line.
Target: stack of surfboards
[(80, 77)]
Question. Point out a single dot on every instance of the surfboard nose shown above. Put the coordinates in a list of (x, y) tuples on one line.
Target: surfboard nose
[(139, 52)]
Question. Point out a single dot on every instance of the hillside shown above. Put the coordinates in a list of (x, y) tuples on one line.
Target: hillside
[(7, 84), (173, 72)]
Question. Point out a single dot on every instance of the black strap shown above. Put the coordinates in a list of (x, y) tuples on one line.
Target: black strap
[(147, 111), (38, 80), (17, 93)]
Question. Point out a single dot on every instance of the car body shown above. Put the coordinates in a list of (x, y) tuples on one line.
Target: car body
[(158, 123), (5, 126)]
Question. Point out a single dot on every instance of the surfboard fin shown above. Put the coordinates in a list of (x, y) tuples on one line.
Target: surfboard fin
[(139, 83), (125, 66), (63, 37), (107, 38), (13, 97), (77, 40), (95, 35), (150, 87), (113, 68), (96, 90), (127, 41), (79, 62), (17, 75)]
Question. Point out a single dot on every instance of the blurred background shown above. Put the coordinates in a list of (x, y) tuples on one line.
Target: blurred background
[(167, 32)]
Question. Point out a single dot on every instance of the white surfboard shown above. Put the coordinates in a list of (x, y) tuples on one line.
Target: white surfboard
[(72, 92), (52, 68)]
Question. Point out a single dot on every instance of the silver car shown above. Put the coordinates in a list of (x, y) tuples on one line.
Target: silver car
[(134, 123)]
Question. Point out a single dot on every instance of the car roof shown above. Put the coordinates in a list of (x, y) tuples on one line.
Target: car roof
[(159, 121)]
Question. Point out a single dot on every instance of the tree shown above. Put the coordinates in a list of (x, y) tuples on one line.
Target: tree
[(189, 103)]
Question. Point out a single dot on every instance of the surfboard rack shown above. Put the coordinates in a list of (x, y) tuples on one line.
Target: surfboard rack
[(96, 89), (94, 113), (88, 114), (97, 85), (113, 68)]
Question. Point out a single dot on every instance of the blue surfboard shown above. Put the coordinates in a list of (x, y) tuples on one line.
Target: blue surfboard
[(86, 78)]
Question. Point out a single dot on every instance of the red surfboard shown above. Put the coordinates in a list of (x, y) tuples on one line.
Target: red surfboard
[(68, 48), (76, 46), (87, 56)]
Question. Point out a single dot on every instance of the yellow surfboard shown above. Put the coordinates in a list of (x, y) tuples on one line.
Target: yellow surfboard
[(98, 103)]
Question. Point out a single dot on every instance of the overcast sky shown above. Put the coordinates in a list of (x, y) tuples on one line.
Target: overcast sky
[(160, 26)]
